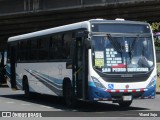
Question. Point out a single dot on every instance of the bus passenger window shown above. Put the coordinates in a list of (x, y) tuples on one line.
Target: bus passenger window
[(67, 45), (33, 50), (51, 48), (43, 48)]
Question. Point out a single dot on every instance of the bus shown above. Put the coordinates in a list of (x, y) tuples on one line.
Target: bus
[(94, 60)]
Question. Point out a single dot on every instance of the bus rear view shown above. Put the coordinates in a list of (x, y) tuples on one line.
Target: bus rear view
[(122, 62)]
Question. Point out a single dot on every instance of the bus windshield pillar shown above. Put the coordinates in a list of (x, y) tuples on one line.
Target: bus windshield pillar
[(84, 70)]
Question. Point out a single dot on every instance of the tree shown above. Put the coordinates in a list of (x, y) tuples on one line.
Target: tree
[(155, 26)]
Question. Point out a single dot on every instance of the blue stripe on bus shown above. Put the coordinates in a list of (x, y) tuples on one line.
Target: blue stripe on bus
[(151, 91), (95, 92), (50, 84), (91, 84), (50, 79)]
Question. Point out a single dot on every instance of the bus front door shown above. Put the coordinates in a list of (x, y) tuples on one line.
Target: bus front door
[(78, 67)]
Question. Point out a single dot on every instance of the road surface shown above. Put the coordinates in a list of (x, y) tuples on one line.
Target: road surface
[(15, 101)]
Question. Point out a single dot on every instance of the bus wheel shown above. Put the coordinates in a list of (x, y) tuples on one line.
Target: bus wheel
[(26, 88), (125, 104), (68, 95)]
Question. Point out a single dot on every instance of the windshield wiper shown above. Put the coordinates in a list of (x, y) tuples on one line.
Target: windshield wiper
[(115, 43), (131, 47), (133, 44)]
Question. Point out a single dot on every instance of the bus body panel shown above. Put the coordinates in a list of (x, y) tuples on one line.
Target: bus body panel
[(44, 78), (145, 89)]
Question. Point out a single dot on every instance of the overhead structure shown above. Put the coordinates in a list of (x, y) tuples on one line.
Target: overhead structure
[(23, 16)]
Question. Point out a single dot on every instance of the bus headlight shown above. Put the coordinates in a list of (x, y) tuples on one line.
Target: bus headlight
[(152, 82), (97, 83)]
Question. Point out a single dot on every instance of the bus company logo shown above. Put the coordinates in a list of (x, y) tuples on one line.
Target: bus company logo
[(127, 86), (60, 67)]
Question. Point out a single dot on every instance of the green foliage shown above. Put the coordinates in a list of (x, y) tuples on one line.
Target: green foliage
[(155, 26)]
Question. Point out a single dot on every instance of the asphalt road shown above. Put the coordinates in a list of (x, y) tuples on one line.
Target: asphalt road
[(15, 101)]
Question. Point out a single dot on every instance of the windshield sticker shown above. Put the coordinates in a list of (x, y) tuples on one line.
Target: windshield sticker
[(111, 58), (137, 69), (119, 66), (99, 54), (126, 46), (125, 70), (99, 62), (106, 69), (119, 69)]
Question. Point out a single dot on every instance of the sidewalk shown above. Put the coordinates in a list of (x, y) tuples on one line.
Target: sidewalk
[(158, 86)]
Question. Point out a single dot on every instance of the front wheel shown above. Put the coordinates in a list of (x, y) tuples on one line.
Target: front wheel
[(125, 104), (68, 95)]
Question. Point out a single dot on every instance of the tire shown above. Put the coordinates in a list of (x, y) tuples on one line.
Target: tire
[(26, 89), (68, 95), (125, 104)]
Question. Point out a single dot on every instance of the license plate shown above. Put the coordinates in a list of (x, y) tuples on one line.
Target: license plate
[(127, 98)]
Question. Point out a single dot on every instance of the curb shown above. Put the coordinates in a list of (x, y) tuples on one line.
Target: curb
[(3, 85), (157, 92)]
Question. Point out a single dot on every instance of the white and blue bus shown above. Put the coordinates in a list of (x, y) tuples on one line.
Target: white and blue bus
[(94, 60)]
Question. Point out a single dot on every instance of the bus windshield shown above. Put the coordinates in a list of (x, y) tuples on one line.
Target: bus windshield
[(120, 54)]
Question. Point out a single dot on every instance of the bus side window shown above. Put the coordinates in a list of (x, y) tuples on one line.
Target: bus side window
[(33, 50), (54, 47), (43, 48), (18, 51), (60, 46), (67, 46), (51, 48), (22, 51)]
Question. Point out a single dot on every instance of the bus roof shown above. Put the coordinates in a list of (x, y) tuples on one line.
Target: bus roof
[(69, 27)]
